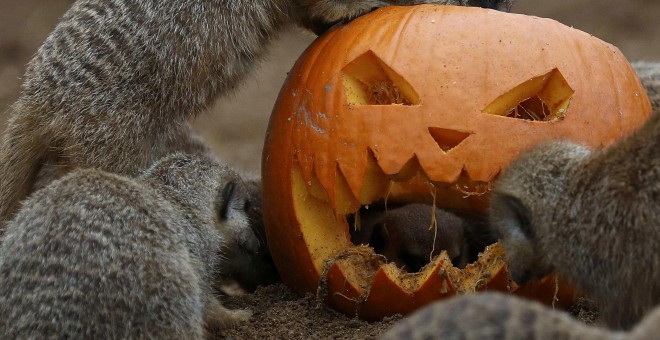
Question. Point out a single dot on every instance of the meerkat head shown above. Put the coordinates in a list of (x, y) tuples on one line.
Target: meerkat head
[(247, 258), (214, 193), (522, 206)]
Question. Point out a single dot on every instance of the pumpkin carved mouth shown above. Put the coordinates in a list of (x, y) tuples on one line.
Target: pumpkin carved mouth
[(356, 275), (422, 104)]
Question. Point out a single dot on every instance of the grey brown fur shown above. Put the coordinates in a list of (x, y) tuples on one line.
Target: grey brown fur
[(499, 316), (407, 236), (649, 74), (114, 84), (97, 255), (251, 264)]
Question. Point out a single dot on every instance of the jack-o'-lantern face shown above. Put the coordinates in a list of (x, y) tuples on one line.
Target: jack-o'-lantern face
[(427, 104)]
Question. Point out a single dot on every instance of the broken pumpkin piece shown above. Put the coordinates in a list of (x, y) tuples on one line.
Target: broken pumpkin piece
[(421, 110)]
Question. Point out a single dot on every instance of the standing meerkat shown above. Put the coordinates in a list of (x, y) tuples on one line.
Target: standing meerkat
[(113, 86), (96, 255)]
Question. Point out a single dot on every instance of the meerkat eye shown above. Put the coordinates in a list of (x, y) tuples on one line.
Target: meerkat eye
[(226, 197), (520, 216)]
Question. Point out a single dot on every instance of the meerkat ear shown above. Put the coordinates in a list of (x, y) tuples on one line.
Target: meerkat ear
[(519, 215)]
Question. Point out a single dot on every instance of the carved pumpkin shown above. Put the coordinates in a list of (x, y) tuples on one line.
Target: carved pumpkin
[(425, 103)]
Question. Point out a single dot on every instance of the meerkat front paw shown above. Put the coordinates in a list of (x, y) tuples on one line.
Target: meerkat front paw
[(218, 317), (320, 15)]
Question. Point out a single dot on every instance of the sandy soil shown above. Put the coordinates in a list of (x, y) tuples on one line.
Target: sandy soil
[(236, 124), (281, 314)]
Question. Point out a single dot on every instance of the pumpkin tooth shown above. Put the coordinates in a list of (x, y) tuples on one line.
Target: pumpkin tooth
[(345, 203), (409, 170), (375, 182), (469, 187), (323, 232), (400, 293), (487, 273), (347, 276), (354, 168)]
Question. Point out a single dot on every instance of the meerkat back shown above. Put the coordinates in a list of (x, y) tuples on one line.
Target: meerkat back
[(95, 255)]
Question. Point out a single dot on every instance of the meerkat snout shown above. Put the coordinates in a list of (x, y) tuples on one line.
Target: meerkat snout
[(514, 229)]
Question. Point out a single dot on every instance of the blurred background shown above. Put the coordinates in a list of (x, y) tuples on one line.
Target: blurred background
[(236, 124)]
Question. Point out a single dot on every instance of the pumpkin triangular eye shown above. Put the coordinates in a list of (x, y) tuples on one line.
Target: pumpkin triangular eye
[(542, 98), (369, 81)]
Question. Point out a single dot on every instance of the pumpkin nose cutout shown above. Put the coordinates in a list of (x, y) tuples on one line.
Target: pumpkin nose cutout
[(448, 139), (369, 81)]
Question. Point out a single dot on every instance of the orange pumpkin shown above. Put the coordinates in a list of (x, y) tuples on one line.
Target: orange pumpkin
[(425, 104)]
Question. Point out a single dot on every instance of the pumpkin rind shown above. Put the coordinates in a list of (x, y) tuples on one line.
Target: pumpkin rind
[(458, 71)]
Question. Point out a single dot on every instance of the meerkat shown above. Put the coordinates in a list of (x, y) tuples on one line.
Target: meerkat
[(112, 87), (591, 217), (500, 316), (251, 264), (97, 255), (412, 234)]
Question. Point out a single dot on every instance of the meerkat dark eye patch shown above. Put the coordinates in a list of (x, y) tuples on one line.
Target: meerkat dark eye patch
[(520, 214), (226, 197)]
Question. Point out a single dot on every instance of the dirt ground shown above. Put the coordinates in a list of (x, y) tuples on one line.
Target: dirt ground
[(236, 124)]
